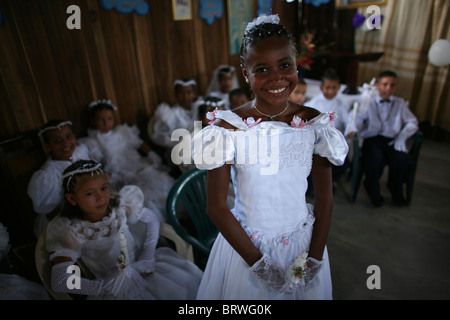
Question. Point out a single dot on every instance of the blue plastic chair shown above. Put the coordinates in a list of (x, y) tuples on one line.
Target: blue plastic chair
[(186, 210)]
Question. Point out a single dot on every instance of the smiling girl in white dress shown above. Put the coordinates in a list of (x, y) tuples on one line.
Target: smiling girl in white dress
[(272, 245), (43, 188)]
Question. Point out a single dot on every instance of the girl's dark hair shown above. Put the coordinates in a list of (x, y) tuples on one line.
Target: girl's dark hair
[(263, 31), (239, 91), (70, 178)]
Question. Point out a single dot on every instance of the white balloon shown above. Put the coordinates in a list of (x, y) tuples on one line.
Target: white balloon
[(439, 53)]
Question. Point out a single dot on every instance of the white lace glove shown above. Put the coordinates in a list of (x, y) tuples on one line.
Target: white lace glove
[(313, 268), (399, 144), (271, 274), (60, 276), (146, 262), (400, 141)]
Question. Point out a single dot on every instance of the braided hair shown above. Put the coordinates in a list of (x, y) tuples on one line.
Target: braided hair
[(263, 27)]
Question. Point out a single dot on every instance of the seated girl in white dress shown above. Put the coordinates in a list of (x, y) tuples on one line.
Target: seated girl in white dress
[(116, 238), (127, 157), (181, 115), (43, 188), (272, 244), (223, 81)]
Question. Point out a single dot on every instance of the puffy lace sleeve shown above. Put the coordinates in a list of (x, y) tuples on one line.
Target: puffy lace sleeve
[(61, 239), (132, 202), (330, 142), (212, 147), (45, 200)]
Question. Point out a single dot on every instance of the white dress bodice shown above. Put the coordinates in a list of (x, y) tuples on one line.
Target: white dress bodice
[(271, 161)]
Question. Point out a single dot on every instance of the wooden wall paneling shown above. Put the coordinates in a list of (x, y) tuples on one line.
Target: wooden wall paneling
[(97, 53), (145, 57), (36, 46), (199, 58), (72, 66), (216, 44), (21, 107), (119, 41), (167, 51), (7, 128)]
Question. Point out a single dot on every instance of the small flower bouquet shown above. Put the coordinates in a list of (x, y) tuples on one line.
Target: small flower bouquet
[(122, 261), (298, 269), (306, 51), (123, 257)]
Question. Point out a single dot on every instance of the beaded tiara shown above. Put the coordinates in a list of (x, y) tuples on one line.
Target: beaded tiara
[(85, 168), (183, 83), (103, 101), (213, 103), (58, 126)]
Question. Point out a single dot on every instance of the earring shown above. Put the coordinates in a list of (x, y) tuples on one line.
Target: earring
[(246, 80)]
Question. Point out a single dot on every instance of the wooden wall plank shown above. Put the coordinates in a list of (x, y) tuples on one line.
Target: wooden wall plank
[(48, 71)]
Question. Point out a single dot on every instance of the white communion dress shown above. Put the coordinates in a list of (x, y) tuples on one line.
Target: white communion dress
[(169, 118), (117, 151), (270, 163), (99, 245)]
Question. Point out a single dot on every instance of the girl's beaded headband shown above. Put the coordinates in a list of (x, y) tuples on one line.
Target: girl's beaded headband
[(213, 103), (86, 168), (59, 126), (104, 101), (183, 83)]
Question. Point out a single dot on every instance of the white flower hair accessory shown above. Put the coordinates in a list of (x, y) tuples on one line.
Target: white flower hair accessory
[(104, 101), (274, 18)]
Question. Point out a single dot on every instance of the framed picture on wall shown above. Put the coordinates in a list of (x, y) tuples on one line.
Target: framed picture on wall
[(240, 13), (352, 4), (182, 9)]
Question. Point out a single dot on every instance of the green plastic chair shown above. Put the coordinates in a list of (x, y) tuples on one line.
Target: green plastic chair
[(186, 210), (357, 170)]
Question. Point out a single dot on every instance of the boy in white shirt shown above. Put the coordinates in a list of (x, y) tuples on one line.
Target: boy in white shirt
[(385, 125), (327, 101)]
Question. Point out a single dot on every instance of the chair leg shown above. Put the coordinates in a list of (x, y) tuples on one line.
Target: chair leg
[(356, 182)]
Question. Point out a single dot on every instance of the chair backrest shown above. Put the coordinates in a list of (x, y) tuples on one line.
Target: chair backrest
[(188, 197), (414, 154)]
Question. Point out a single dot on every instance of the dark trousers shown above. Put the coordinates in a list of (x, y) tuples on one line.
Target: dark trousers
[(376, 154)]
